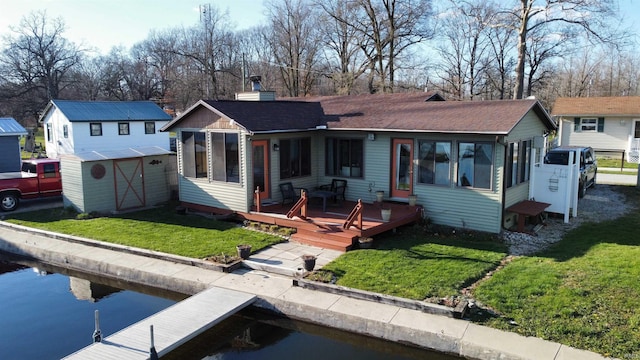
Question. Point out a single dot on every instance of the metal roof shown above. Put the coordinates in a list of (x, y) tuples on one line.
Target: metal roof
[(111, 110), (9, 126), (121, 153)]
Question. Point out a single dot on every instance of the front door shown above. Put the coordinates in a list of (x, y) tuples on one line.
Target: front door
[(261, 167), (402, 168)]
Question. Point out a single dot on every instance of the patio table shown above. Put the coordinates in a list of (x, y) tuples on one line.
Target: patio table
[(324, 194)]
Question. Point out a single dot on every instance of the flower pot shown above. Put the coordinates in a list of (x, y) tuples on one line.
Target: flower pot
[(379, 196), (309, 262), (413, 199), (244, 251), (365, 243), (385, 214)]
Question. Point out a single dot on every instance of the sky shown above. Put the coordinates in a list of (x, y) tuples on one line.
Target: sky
[(106, 23)]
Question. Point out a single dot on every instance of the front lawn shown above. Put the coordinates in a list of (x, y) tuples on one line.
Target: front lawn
[(159, 229), (416, 265), (582, 292)]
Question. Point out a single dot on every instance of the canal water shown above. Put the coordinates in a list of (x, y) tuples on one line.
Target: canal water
[(47, 312)]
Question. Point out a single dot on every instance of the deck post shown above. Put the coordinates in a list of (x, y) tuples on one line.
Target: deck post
[(97, 335), (257, 197), (153, 354)]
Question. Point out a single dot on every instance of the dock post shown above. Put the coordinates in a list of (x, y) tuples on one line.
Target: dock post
[(97, 335), (153, 355)]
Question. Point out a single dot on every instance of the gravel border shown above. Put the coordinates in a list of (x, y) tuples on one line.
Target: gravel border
[(601, 203)]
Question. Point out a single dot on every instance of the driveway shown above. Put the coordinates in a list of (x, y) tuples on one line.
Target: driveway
[(36, 204)]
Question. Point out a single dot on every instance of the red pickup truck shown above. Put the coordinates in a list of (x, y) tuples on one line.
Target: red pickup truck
[(38, 178)]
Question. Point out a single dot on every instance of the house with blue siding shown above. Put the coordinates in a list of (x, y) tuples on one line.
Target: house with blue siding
[(466, 161), (10, 133), (80, 126)]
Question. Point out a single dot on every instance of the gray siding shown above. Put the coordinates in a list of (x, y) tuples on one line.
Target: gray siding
[(156, 179), (10, 154), (219, 194), (72, 193), (98, 194)]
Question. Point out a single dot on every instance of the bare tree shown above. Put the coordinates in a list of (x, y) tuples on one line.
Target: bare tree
[(464, 47), (343, 45), (37, 59), (591, 16), (293, 38)]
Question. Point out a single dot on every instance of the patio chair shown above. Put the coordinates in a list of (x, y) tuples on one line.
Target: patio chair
[(289, 193), (338, 186)]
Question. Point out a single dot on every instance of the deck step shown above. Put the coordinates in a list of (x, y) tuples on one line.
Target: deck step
[(324, 240)]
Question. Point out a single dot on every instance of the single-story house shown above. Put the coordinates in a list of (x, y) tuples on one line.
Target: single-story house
[(467, 161), (10, 133), (609, 124), (82, 126)]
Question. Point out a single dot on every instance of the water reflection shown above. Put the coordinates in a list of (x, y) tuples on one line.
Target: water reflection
[(256, 335)]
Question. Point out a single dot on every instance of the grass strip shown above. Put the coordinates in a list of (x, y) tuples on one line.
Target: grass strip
[(158, 229)]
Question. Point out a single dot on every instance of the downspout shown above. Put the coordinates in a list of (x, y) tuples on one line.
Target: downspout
[(504, 179)]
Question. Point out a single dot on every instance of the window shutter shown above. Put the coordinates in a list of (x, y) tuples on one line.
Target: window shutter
[(601, 124), (576, 124)]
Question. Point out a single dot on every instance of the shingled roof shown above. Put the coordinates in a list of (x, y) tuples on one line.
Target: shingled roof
[(410, 112), (390, 112), (597, 106)]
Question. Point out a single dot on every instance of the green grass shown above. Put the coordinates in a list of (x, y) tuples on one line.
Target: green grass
[(582, 292), (159, 229), (615, 163), (414, 265)]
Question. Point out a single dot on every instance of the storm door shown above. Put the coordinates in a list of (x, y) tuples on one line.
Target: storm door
[(402, 168)]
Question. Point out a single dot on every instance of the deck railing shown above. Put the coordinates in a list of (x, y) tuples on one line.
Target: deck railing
[(299, 206), (354, 217)]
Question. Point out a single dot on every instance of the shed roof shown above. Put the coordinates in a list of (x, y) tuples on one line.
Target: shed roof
[(597, 106), (10, 127), (120, 153), (109, 110)]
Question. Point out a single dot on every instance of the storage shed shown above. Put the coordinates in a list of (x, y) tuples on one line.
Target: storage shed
[(10, 132), (117, 180)]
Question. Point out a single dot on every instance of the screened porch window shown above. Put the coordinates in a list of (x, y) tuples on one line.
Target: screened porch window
[(194, 154), (226, 161), (434, 162), (295, 158), (344, 157), (518, 162), (475, 165)]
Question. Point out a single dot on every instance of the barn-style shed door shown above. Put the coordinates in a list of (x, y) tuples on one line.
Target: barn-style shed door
[(129, 183)]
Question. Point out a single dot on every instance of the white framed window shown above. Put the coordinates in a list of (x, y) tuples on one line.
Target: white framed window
[(588, 124)]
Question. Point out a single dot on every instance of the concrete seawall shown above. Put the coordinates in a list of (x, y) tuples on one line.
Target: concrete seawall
[(277, 294)]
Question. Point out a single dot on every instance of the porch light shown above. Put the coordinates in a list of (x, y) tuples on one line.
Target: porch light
[(276, 147), (371, 136)]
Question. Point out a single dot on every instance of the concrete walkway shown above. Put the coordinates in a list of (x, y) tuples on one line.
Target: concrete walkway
[(617, 179), (275, 292)]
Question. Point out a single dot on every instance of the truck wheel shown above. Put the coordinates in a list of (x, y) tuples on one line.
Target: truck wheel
[(9, 202)]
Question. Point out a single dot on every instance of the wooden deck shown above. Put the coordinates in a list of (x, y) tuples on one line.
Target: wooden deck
[(325, 228), (172, 327)]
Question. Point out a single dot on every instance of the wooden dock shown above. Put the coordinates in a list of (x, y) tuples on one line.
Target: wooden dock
[(172, 326)]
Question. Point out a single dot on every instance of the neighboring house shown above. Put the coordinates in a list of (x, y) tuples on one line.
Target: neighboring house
[(466, 161), (10, 154), (81, 126), (605, 123)]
